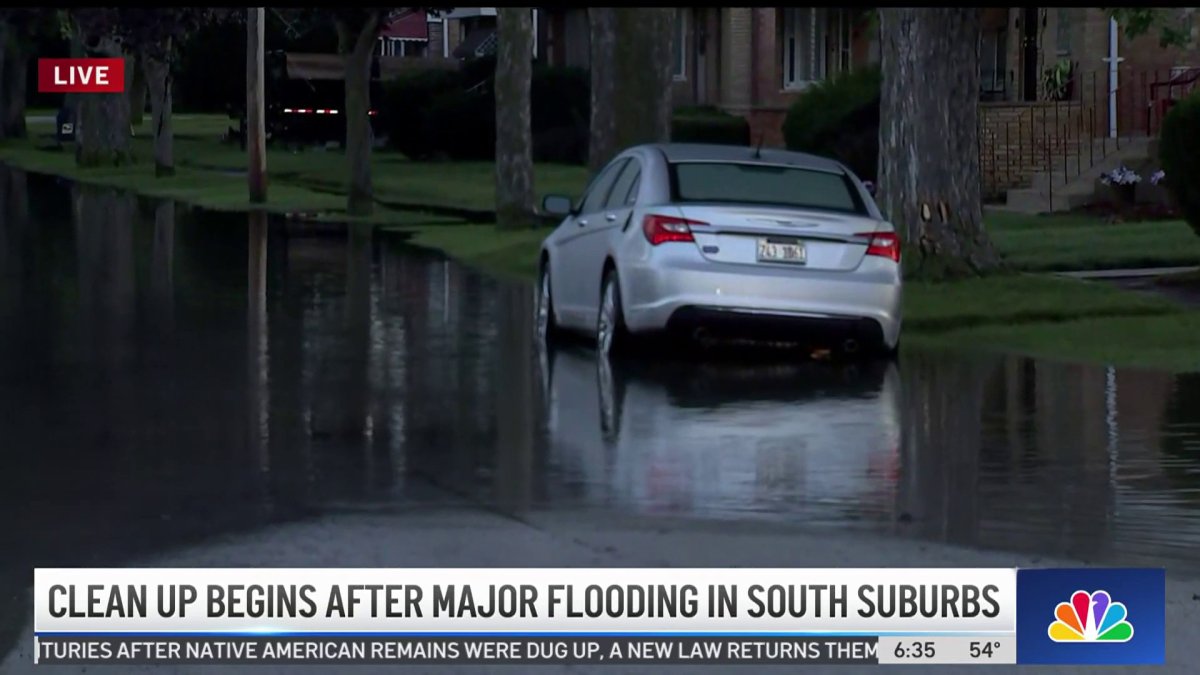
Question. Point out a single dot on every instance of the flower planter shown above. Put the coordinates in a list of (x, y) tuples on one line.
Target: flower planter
[(1125, 195)]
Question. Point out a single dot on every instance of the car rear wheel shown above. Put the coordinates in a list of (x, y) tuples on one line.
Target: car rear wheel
[(611, 335), (545, 326)]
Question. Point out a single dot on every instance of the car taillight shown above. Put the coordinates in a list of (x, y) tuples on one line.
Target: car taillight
[(883, 244), (661, 229)]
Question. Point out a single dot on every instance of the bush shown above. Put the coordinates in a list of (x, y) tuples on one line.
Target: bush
[(839, 118), (1179, 150), (448, 114), (462, 124), (407, 101), (560, 108), (709, 125)]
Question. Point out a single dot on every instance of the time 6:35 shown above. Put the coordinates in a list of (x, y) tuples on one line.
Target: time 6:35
[(914, 650)]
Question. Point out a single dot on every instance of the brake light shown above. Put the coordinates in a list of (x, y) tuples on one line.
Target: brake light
[(661, 229), (883, 244), (372, 112)]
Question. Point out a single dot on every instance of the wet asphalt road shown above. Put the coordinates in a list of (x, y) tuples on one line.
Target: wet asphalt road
[(170, 379)]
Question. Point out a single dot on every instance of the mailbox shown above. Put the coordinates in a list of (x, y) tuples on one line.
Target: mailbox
[(65, 125)]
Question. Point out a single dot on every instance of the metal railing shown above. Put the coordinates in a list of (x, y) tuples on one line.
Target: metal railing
[(1074, 126)]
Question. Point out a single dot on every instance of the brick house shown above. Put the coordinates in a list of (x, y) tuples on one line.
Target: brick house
[(1028, 126), (756, 61), (747, 61)]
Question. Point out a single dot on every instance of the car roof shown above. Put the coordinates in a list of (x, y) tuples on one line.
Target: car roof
[(709, 152)]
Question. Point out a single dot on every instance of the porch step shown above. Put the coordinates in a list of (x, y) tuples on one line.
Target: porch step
[(1052, 191), (1105, 154)]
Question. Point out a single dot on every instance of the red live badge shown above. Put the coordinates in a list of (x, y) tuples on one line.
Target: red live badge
[(81, 76)]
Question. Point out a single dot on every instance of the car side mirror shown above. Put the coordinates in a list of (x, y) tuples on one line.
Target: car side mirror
[(557, 205), (870, 186)]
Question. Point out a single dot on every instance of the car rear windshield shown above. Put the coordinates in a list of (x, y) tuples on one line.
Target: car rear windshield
[(766, 184)]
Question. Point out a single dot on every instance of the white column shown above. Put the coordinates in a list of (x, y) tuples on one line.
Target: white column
[(1114, 60)]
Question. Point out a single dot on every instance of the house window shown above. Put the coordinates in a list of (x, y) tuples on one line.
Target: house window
[(992, 65), (840, 43), (680, 71), (1062, 33), (815, 44)]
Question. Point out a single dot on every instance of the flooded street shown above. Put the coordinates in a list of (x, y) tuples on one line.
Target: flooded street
[(169, 375)]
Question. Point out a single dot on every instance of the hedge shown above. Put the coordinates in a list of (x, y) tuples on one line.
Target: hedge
[(452, 114), (839, 118), (1179, 150), (709, 125)]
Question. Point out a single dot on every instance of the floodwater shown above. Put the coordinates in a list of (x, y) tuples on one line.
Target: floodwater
[(167, 375)]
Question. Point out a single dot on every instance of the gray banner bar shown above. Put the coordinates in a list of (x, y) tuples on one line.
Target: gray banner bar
[(133, 651)]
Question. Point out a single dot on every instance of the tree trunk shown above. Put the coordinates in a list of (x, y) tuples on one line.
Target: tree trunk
[(516, 402), (929, 180), (5, 39), (514, 136), (358, 44), (158, 80), (137, 88), (13, 76), (103, 130), (631, 86), (162, 264), (602, 134), (256, 128), (71, 101), (644, 66), (943, 403)]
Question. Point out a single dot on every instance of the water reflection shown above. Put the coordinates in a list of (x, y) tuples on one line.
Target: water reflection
[(813, 442), (168, 375)]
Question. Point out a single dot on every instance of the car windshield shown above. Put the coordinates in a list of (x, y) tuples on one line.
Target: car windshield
[(766, 184)]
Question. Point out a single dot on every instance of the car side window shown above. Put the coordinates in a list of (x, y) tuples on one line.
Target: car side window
[(620, 190), (598, 194), (632, 195)]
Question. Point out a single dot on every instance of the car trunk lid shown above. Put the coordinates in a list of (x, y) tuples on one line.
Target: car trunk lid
[(801, 238)]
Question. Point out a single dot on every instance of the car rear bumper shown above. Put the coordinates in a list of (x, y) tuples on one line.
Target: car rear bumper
[(808, 329), (768, 302)]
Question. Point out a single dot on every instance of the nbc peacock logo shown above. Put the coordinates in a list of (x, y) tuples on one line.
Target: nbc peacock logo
[(1090, 617)]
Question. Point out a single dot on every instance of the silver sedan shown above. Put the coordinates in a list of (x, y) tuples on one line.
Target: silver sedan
[(713, 241)]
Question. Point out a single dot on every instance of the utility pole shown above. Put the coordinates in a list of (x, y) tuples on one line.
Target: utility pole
[(256, 128)]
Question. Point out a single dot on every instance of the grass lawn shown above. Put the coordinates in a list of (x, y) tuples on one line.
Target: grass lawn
[(311, 180), (298, 181), (508, 253), (1025, 313), (1074, 242), (1164, 342), (1033, 314)]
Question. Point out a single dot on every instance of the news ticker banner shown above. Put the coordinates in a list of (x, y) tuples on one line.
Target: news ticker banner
[(127, 617)]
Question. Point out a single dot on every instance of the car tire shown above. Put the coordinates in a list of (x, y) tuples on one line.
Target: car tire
[(545, 326), (612, 337)]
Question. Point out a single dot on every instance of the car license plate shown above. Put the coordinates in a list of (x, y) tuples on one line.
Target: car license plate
[(778, 251)]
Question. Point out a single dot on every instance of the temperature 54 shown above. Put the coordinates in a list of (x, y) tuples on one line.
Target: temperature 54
[(986, 649), (948, 649)]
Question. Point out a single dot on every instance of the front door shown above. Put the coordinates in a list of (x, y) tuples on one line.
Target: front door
[(700, 42), (1030, 20)]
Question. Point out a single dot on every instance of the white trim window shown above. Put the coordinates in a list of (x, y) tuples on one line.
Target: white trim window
[(815, 43), (680, 70), (842, 40), (993, 46), (1062, 31)]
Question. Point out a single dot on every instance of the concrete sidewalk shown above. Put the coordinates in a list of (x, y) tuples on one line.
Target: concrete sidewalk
[(1127, 273), (463, 536)]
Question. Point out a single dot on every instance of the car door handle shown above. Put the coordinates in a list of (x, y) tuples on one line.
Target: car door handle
[(582, 222), (610, 217)]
